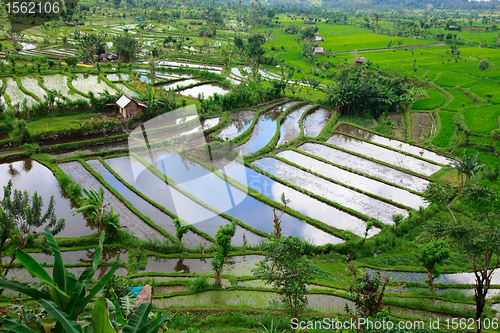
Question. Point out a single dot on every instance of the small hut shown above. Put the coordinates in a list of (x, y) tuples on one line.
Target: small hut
[(361, 60), (318, 39), (319, 51), (130, 107)]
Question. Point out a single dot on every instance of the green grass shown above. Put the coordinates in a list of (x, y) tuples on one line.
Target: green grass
[(483, 119), (452, 79), (56, 123), (486, 86), (443, 139), (458, 98), (481, 139), (435, 100)]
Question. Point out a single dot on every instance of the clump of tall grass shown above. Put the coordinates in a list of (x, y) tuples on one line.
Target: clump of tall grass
[(199, 284)]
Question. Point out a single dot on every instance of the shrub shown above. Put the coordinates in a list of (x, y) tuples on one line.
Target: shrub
[(199, 284), (119, 284)]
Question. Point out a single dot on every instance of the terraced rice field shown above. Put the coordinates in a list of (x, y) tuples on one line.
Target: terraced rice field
[(240, 122), (314, 122), (31, 84), (59, 82), (16, 95), (92, 83), (290, 128)]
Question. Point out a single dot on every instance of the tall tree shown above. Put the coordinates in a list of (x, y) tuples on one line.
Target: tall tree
[(483, 65), (431, 255), (126, 47), (376, 18), (287, 269), (466, 167), (223, 246)]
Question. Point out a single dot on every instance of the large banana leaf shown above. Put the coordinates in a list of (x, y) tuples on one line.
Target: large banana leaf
[(70, 326), (152, 327), (59, 272), (37, 270), (27, 289), (139, 319), (13, 326), (100, 317), (118, 309)]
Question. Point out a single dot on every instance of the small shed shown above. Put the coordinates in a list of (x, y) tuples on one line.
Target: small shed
[(319, 51), (318, 39), (130, 107), (361, 60)]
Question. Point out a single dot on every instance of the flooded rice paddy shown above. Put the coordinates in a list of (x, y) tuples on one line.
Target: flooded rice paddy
[(31, 84), (264, 129), (206, 90), (16, 95), (300, 202), (396, 144), (240, 122), (315, 122), (92, 83), (161, 219), (33, 177), (118, 77), (59, 82), (123, 89), (383, 154), (148, 184), (366, 166), (211, 189), (290, 128), (128, 219), (354, 180), (362, 203), (462, 278)]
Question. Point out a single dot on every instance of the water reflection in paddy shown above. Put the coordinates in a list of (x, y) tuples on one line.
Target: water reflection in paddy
[(161, 219), (331, 191), (383, 154), (32, 176), (352, 179), (366, 166), (301, 202), (315, 122), (214, 191), (462, 278), (206, 89), (290, 128), (240, 122), (148, 184), (59, 82), (264, 129), (238, 265), (396, 144)]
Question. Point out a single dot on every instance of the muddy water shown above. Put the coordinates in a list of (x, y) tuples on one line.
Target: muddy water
[(205, 89), (128, 219), (315, 122), (238, 265), (399, 160), (352, 179), (463, 278), (331, 191), (264, 129), (164, 221), (290, 128), (366, 166), (33, 177), (240, 122), (253, 299), (417, 151), (208, 187), (148, 184), (301, 202)]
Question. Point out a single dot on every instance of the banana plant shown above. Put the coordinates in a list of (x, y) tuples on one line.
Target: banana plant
[(68, 293), (100, 323)]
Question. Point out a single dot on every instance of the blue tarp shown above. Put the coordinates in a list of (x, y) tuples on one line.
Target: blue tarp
[(135, 290)]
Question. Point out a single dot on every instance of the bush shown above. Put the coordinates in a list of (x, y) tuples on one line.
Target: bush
[(119, 284), (199, 284)]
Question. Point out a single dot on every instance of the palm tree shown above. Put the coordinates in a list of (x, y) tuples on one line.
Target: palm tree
[(94, 206), (376, 18), (467, 167)]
